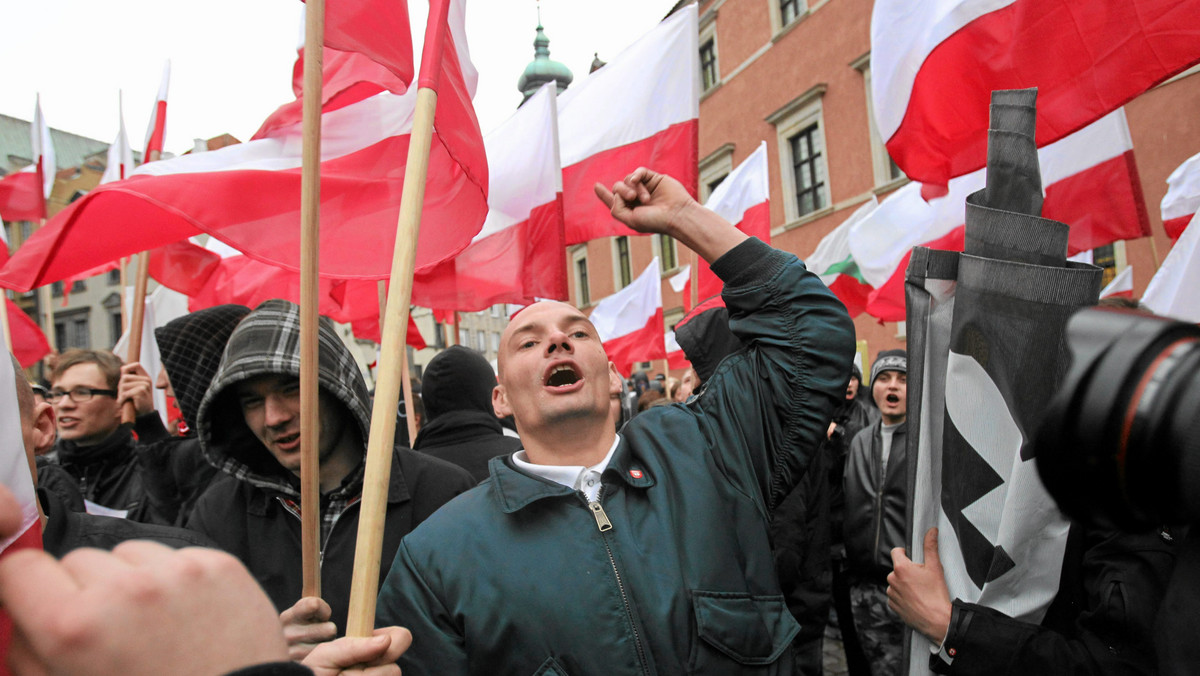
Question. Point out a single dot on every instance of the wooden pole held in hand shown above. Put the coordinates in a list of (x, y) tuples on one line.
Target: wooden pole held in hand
[(364, 586), (310, 216), (134, 353)]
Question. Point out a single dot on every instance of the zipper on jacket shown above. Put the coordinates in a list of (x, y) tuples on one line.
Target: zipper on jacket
[(879, 505), (604, 525)]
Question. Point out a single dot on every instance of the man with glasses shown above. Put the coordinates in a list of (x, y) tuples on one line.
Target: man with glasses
[(93, 447)]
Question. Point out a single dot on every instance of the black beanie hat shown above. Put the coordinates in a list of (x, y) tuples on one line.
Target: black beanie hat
[(458, 378)]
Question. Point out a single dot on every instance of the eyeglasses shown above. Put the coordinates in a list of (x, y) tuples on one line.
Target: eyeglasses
[(79, 394)]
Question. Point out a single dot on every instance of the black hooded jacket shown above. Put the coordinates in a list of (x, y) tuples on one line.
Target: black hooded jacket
[(176, 472), (460, 424), (252, 511)]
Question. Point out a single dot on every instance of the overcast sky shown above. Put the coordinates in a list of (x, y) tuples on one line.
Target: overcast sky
[(231, 60)]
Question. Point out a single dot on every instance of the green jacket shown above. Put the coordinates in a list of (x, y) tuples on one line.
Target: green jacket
[(516, 577)]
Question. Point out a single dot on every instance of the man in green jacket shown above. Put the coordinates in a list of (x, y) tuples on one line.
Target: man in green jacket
[(643, 552)]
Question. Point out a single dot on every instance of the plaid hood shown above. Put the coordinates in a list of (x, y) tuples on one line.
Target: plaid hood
[(191, 348), (267, 342)]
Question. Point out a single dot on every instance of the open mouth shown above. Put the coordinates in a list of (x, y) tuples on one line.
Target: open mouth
[(562, 375), (893, 399), (288, 440)]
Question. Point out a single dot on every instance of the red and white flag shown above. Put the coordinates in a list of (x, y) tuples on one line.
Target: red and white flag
[(248, 195), (681, 283), (676, 359), (15, 465), (1091, 184), (379, 31), (833, 262), (630, 322), (641, 109), (120, 155), (742, 199), (934, 66), (1121, 285), (1182, 200), (156, 131), (29, 343), (1172, 290), (518, 255), (23, 194)]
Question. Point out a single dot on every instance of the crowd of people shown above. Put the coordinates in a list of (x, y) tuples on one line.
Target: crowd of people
[(710, 525)]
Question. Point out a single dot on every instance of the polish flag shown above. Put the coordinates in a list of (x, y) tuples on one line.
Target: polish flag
[(630, 322), (742, 199), (23, 194), (835, 265), (640, 109), (1120, 286), (676, 359), (248, 195), (120, 155), (1172, 290), (681, 283), (934, 66), (1091, 184), (29, 343), (518, 255), (156, 131), (1182, 200), (379, 30)]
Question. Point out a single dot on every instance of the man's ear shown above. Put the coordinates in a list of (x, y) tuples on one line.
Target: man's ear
[(616, 384), (45, 430), (500, 402)]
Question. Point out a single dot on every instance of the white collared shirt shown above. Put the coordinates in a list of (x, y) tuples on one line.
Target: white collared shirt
[(575, 477)]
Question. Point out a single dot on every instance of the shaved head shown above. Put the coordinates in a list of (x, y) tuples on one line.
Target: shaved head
[(525, 320)]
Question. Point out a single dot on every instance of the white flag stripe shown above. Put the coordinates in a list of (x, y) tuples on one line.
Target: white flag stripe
[(680, 279), (1172, 291), (1122, 283), (745, 187), (629, 309), (835, 247), (14, 464), (1183, 190), (120, 155)]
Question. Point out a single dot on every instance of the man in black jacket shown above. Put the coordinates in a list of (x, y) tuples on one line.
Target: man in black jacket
[(460, 425), (249, 427)]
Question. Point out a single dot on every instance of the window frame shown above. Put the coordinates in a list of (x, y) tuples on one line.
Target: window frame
[(789, 120)]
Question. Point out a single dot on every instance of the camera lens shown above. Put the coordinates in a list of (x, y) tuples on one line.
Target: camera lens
[(1121, 438)]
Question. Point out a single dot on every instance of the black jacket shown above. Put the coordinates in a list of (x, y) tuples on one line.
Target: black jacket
[(876, 505), (1101, 622), (800, 538), (66, 530), (252, 513), (468, 439), (109, 473)]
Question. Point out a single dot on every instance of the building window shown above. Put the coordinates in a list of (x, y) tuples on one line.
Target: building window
[(713, 169), (789, 11), (668, 255), (439, 336), (481, 341), (114, 276), (808, 169), (708, 64), (579, 268), (114, 322), (802, 157), (623, 274), (1105, 257), (56, 291), (464, 337), (71, 331), (495, 342)]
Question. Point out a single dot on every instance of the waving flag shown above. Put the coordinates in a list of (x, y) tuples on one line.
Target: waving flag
[(641, 109), (23, 194), (630, 321), (156, 132), (377, 29), (676, 359), (120, 155), (742, 199), (1091, 184), (934, 64), (1172, 290), (987, 350), (1182, 200), (248, 195), (1120, 286), (835, 265)]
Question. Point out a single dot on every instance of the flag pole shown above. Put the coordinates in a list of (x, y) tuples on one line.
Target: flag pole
[(124, 281), (406, 383), (137, 321), (310, 207), (365, 584), (47, 307)]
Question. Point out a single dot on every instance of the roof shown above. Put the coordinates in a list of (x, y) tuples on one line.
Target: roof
[(70, 150)]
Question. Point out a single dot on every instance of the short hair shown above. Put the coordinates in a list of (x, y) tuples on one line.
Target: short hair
[(108, 363)]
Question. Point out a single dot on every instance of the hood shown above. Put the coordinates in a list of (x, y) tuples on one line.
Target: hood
[(267, 342), (457, 379), (705, 337), (191, 348)]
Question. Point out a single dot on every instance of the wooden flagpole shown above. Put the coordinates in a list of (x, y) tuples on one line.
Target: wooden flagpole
[(136, 324), (695, 287), (46, 302), (310, 214), (123, 281), (365, 584), (4, 327), (406, 382)]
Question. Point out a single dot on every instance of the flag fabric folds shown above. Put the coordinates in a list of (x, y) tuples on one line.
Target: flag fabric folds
[(120, 155), (1182, 200), (933, 65), (1172, 290), (987, 350), (1091, 184), (248, 195), (641, 109), (377, 29), (833, 262), (14, 465), (1121, 285), (29, 343), (742, 199), (630, 322), (23, 193), (156, 131)]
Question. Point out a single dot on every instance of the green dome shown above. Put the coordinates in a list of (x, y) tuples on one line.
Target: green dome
[(542, 70)]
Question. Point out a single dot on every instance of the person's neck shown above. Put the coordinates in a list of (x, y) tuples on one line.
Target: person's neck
[(893, 419), (569, 444), (335, 467)]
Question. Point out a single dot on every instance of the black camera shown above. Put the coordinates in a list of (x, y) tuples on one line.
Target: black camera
[(1121, 438)]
